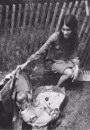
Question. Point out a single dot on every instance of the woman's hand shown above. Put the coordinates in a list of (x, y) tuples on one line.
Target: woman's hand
[(8, 76), (75, 61), (75, 68), (75, 72)]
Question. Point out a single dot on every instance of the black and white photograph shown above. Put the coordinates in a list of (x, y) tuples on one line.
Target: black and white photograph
[(44, 65)]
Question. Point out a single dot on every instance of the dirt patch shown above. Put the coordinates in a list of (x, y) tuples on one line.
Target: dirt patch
[(77, 111)]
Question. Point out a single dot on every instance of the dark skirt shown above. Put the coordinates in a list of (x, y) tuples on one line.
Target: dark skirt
[(61, 65)]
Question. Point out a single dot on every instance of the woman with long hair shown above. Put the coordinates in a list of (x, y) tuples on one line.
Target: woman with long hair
[(62, 53), (60, 50)]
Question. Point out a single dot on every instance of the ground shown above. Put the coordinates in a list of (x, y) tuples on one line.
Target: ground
[(77, 111), (76, 114)]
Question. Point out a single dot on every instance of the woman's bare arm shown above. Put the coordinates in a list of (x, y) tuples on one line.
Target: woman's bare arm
[(45, 46), (53, 37), (41, 51)]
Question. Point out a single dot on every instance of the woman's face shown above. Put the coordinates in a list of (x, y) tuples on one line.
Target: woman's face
[(66, 31)]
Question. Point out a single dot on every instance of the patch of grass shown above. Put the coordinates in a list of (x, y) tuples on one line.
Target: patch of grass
[(16, 50)]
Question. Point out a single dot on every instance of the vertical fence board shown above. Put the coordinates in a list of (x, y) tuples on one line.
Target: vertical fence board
[(86, 57), (31, 8), (75, 7), (54, 17), (86, 30), (31, 13), (19, 15), (48, 14), (80, 8), (60, 16), (88, 25), (6, 16), (84, 54), (87, 7), (43, 13), (12, 19), (37, 13), (83, 26), (69, 8), (87, 60), (84, 40), (88, 36), (24, 17), (0, 13)]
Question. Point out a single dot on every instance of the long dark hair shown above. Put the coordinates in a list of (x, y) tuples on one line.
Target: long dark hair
[(70, 44)]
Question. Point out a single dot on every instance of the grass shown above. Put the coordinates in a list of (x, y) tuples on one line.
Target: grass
[(16, 50)]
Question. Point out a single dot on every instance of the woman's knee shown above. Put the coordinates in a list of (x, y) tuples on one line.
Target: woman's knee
[(68, 72)]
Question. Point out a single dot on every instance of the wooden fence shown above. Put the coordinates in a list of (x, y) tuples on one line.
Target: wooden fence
[(33, 14), (46, 15)]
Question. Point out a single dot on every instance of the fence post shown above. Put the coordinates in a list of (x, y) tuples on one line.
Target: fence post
[(43, 13), (84, 54), (84, 37), (37, 13), (75, 6), (48, 15), (69, 8), (88, 25), (24, 17), (83, 26), (87, 7), (6, 16), (60, 16), (31, 14), (0, 13), (54, 17), (80, 8), (19, 16), (12, 19)]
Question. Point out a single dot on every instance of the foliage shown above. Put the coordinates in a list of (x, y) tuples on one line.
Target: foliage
[(16, 50)]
